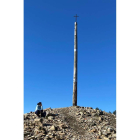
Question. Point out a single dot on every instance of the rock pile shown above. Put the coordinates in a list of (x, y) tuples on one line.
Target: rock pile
[(70, 123)]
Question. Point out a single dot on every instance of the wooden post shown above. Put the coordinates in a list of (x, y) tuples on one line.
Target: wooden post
[(75, 67)]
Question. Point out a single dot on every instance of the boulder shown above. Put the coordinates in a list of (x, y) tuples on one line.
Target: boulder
[(93, 130), (50, 118), (38, 120), (110, 129), (113, 135), (100, 119), (53, 128)]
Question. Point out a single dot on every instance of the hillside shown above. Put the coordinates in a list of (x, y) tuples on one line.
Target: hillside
[(70, 123)]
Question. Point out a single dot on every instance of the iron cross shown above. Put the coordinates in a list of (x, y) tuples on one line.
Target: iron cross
[(76, 17)]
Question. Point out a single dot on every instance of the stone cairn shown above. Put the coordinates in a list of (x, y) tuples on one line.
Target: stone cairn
[(70, 123)]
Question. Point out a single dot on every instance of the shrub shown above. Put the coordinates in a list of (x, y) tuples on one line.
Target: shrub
[(97, 108), (114, 112)]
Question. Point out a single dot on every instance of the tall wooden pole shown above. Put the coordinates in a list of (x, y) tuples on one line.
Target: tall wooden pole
[(75, 66)]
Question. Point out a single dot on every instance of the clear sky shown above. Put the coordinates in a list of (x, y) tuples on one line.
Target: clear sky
[(49, 53)]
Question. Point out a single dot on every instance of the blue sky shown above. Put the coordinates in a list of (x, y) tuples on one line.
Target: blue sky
[(49, 53)]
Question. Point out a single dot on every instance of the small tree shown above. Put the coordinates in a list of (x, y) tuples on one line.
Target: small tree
[(109, 112), (114, 112), (97, 108)]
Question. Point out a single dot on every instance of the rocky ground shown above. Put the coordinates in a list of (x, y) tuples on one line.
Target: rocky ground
[(70, 123)]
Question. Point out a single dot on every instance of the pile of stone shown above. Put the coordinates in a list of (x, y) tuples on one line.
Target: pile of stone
[(70, 123)]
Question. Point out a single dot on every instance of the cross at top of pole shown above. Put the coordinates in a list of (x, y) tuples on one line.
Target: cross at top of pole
[(76, 17)]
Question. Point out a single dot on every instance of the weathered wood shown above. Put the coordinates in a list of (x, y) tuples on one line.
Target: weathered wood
[(75, 67)]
